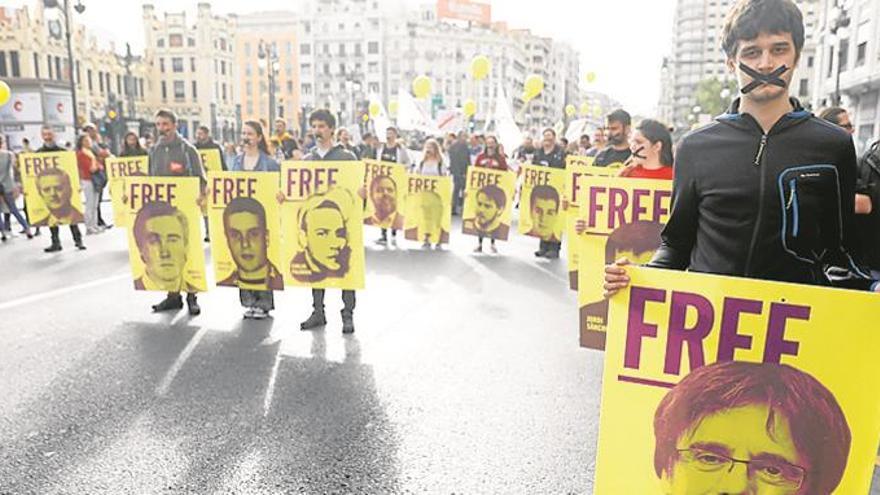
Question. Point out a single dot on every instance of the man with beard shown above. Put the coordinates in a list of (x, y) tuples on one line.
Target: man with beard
[(491, 202), (383, 194), (172, 156), (283, 144), (49, 146), (161, 233), (393, 152), (526, 151), (617, 130), (550, 155), (323, 125), (244, 222)]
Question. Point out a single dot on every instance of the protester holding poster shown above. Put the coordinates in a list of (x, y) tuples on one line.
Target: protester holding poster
[(392, 152), (172, 156), (768, 190), (384, 183), (51, 184), (651, 148), (429, 209), (119, 168), (488, 204), (87, 163), (726, 385), (323, 240), (617, 150), (551, 155), (204, 142)]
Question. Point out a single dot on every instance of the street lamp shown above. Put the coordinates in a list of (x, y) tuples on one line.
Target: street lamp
[(840, 20), (268, 59), (65, 10)]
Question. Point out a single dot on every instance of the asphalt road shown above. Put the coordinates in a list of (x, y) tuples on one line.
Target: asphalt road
[(464, 376)]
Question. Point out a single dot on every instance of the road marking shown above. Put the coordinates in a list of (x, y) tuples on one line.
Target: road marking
[(184, 355), (59, 292), (270, 387)]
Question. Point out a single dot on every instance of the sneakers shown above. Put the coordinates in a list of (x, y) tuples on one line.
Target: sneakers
[(478, 249), (79, 245), (193, 305), (170, 303), (426, 245), (493, 249), (382, 241), (260, 314), (551, 255), (540, 253), (317, 319), (347, 324), (249, 313), (55, 247)]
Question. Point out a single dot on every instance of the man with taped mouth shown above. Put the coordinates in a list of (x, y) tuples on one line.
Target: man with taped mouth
[(767, 191)]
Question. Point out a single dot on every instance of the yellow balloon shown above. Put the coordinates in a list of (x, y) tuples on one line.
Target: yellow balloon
[(365, 117), (597, 112), (480, 67), (5, 93), (421, 86), (585, 108), (392, 107), (469, 108), (374, 109), (591, 77), (525, 97), (570, 110), (534, 85), (111, 114)]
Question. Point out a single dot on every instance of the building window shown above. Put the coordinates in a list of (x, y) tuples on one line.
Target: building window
[(190, 42), (223, 88), (179, 89), (223, 44), (49, 66), (249, 87), (289, 47), (160, 43), (373, 87), (175, 40), (373, 47), (861, 53), (58, 74), (306, 89), (164, 91), (195, 90), (326, 49), (118, 84), (305, 49), (101, 82), (289, 87), (830, 61), (222, 67), (327, 69), (844, 55), (192, 64), (36, 66), (357, 50), (15, 66), (89, 80), (2, 64), (141, 87), (162, 65), (78, 78), (804, 88), (107, 82), (177, 64), (342, 49)]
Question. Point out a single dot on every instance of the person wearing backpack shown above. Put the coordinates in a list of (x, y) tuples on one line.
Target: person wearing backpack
[(868, 208)]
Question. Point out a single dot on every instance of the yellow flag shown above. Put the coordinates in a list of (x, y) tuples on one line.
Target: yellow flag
[(165, 238), (51, 186), (624, 218), (118, 168), (488, 203), (323, 239), (211, 160), (428, 208), (385, 186), (540, 206), (728, 385), (244, 216)]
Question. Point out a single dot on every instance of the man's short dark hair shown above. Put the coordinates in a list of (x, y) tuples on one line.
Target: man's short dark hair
[(495, 193), (167, 114), (323, 115), (245, 205), (636, 237), (152, 210), (374, 183), (749, 18), (620, 116), (205, 129), (393, 129), (545, 193), (550, 130), (367, 135), (818, 427)]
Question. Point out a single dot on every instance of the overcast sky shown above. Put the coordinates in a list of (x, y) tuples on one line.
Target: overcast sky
[(623, 41)]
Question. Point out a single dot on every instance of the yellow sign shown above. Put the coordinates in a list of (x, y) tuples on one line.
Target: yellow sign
[(52, 188), (118, 168), (577, 169), (384, 185), (428, 208), (623, 218), (323, 239), (165, 238), (488, 203), (211, 160), (726, 385), (540, 207), (244, 216)]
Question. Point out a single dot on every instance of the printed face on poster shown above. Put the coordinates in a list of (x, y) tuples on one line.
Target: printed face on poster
[(385, 186), (165, 238), (724, 385), (488, 203), (428, 208), (624, 219), (244, 217), (51, 186), (118, 168), (540, 206), (322, 221)]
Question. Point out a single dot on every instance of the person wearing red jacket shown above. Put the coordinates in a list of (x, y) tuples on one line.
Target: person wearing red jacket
[(651, 147), (87, 163), (492, 157)]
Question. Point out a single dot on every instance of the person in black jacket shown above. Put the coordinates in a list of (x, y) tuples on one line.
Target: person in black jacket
[(767, 191), (49, 146), (552, 155), (868, 208), (204, 141)]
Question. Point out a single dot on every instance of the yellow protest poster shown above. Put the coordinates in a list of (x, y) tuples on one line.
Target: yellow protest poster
[(245, 220), (577, 168), (728, 385), (52, 189), (541, 202), (211, 160), (118, 168), (384, 184), (428, 208), (623, 218), (165, 237), (488, 203), (322, 222)]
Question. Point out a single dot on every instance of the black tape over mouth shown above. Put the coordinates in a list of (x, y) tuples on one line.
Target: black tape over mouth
[(637, 151), (760, 79)]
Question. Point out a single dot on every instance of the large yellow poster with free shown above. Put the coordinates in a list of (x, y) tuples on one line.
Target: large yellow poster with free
[(428, 209), (322, 222), (540, 206), (385, 186), (118, 169), (165, 237), (725, 385), (52, 189), (488, 203), (245, 222), (577, 169), (623, 218), (211, 160)]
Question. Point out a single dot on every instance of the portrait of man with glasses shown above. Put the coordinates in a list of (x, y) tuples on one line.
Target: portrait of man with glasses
[(757, 428)]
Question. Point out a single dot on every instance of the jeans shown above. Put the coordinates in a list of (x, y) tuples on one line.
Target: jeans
[(100, 194), (74, 230), (348, 299), (91, 209), (263, 299), (458, 182), (550, 247), (10, 203)]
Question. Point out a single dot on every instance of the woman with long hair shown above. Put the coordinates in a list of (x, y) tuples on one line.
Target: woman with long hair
[(87, 163), (651, 147), (131, 145), (432, 160)]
